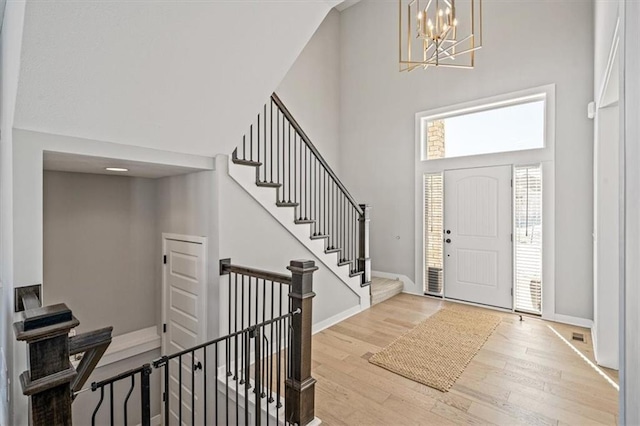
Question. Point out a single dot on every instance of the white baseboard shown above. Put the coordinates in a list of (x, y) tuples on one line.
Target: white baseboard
[(567, 319), (336, 319), (409, 285)]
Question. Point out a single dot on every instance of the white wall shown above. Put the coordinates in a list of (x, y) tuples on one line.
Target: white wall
[(630, 249), (181, 76), (187, 205), (311, 89), (605, 19), (100, 249), (27, 217), (378, 106), (11, 39), (250, 236)]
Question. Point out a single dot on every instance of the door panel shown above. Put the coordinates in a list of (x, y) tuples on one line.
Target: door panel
[(477, 223), (185, 316)]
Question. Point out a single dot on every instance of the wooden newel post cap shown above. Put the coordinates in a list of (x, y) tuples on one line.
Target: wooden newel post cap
[(302, 266), (45, 322)]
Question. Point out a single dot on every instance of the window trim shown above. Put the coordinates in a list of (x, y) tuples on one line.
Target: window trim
[(544, 156), (546, 93)]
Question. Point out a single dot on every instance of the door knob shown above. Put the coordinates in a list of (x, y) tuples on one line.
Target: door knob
[(448, 240), (448, 231)]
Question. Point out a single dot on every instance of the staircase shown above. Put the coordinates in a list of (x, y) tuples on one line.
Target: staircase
[(286, 162), (384, 288)]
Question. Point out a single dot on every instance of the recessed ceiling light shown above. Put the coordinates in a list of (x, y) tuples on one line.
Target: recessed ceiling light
[(116, 169)]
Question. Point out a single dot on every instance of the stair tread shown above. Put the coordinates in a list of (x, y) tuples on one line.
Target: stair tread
[(269, 184), (333, 250), (318, 237), (303, 221), (345, 262), (286, 204), (384, 288), (247, 162)]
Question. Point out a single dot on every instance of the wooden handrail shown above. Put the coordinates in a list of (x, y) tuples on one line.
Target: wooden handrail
[(226, 268), (315, 152)]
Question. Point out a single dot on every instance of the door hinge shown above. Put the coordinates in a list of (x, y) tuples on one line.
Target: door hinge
[(164, 259), (164, 328), (512, 291), (512, 183), (512, 237), (164, 397)]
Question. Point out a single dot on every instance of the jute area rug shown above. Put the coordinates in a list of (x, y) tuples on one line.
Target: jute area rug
[(438, 350)]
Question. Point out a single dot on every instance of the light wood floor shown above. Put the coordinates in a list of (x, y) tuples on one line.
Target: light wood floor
[(524, 374)]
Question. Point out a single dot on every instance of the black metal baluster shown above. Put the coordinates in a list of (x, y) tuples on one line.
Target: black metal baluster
[(289, 158), (235, 329), (325, 209), (180, 390), (302, 204), (111, 403), (167, 393), (242, 378), (258, 146), (226, 382), (247, 361), (244, 147), (279, 404), (264, 128), (273, 294), (251, 142), (295, 166), (342, 229), (215, 364), (206, 401), (305, 178), (126, 400), (264, 312), (193, 394), (249, 307), (93, 416), (256, 364), (353, 239), (228, 349), (271, 141)]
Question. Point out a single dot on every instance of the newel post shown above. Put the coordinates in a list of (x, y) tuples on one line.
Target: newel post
[(364, 261), (47, 383), (299, 385)]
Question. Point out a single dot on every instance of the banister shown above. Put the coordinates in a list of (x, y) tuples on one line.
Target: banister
[(315, 152), (226, 268)]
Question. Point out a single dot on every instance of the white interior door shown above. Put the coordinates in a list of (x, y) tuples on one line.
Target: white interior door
[(477, 224), (184, 315)]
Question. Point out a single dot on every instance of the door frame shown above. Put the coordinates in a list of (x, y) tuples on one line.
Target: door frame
[(543, 156), (204, 268)]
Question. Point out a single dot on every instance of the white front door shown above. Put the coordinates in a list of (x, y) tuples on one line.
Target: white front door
[(477, 234), (184, 317)]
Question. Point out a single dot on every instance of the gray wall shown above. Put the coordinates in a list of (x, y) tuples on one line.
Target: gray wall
[(378, 106), (187, 205), (100, 244), (311, 89)]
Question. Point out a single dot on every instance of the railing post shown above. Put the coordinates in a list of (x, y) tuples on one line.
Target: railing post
[(145, 395), (364, 261), (300, 386), (48, 381)]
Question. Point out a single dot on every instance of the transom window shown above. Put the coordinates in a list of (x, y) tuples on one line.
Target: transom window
[(513, 125)]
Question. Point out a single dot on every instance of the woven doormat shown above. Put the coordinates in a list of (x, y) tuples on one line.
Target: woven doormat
[(438, 349)]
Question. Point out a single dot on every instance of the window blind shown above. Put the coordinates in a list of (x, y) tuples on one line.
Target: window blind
[(528, 238), (433, 232)]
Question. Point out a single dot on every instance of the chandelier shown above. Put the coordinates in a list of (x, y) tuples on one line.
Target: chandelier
[(439, 33)]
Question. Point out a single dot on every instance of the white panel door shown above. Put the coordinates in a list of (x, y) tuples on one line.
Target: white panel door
[(184, 319), (477, 224)]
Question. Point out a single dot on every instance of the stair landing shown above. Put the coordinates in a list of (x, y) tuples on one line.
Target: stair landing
[(384, 288)]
